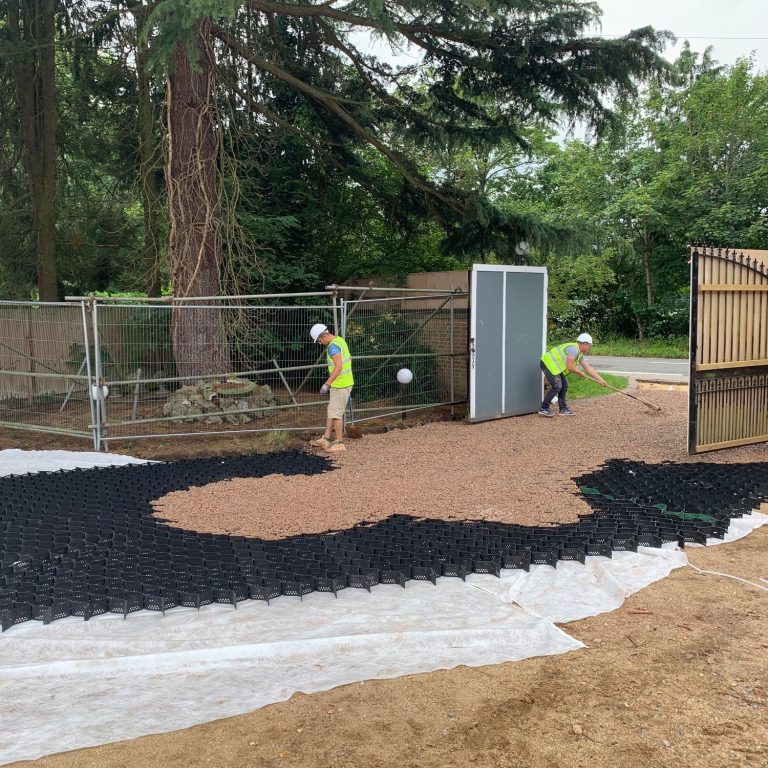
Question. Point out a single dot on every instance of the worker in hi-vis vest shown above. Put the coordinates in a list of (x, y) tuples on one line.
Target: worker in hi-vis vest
[(338, 385), (557, 364)]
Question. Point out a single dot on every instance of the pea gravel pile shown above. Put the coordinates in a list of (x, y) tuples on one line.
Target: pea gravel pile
[(516, 470)]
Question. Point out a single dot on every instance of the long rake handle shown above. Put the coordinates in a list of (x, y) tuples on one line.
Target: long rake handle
[(634, 397)]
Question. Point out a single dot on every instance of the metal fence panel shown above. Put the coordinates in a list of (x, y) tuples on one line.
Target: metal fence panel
[(44, 367), (234, 367), (424, 333), (117, 369)]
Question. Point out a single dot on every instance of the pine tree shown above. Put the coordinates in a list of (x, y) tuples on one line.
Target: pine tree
[(484, 69)]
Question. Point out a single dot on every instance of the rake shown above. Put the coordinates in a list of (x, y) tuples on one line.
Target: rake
[(652, 406)]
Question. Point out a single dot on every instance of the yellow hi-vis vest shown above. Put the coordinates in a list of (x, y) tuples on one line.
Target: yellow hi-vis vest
[(344, 379), (556, 359)]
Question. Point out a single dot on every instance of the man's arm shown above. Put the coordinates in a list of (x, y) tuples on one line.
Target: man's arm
[(336, 369), (570, 364), (593, 373)]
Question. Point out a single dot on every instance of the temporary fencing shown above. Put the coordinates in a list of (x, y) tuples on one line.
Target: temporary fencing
[(45, 368), (110, 368)]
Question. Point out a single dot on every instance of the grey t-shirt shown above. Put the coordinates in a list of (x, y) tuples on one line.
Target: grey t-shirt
[(573, 351)]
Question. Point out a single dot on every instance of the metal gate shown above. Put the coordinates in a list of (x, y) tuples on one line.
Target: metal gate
[(728, 389), (507, 337)]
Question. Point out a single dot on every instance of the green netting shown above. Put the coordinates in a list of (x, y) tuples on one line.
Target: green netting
[(587, 491)]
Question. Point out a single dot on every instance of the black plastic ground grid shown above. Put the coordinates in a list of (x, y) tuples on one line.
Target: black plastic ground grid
[(86, 542)]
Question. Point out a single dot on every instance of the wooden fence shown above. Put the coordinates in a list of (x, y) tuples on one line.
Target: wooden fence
[(729, 349)]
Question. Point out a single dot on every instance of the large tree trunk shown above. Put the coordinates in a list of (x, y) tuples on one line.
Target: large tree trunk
[(149, 160), (194, 196), (32, 32)]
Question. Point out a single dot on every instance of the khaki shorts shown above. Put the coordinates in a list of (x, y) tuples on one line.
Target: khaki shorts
[(338, 402)]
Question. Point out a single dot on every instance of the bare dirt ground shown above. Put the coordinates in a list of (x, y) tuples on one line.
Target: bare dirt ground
[(517, 470), (677, 677)]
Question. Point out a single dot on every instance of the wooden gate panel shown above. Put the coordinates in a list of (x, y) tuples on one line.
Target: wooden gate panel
[(728, 403)]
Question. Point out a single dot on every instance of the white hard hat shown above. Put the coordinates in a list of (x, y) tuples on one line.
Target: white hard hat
[(317, 330), (585, 337)]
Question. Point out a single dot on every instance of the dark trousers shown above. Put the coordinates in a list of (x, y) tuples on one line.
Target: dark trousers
[(558, 387)]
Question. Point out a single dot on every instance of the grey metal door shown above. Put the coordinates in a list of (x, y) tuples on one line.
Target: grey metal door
[(508, 332)]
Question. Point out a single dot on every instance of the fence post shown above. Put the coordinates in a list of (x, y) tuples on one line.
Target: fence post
[(89, 373), (33, 387), (343, 334), (453, 361), (101, 414), (693, 352)]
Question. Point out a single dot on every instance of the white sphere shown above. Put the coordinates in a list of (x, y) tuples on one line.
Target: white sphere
[(97, 391), (405, 376)]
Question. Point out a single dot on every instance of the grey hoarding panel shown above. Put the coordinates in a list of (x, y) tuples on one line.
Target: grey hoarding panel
[(525, 307), (488, 316), (508, 334)]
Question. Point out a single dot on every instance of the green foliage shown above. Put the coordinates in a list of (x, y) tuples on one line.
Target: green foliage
[(619, 346), (328, 125), (146, 342), (713, 139), (324, 143), (385, 334), (176, 21), (578, 291), (99, 219), (688, 163), (341, 165), (277, 440)]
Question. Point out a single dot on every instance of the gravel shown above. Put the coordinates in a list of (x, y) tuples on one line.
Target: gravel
[(517, 470)]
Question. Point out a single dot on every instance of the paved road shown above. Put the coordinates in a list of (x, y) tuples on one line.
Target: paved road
[(646, 368)]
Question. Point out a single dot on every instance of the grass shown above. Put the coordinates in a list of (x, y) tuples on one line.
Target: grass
[(578, 387), (277, 440), (674, 346)]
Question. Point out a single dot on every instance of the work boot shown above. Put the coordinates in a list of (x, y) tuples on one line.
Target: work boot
[(336, 447), (566, 411), (545, 412), (321, 442)]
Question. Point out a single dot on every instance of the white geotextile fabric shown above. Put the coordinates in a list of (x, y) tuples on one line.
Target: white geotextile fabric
[(14, 461), (74, 684)]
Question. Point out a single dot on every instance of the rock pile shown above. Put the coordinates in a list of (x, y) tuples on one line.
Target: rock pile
[(233, 401)]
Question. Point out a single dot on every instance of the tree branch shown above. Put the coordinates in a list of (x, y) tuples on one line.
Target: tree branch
[(332, 104), (307, 11)]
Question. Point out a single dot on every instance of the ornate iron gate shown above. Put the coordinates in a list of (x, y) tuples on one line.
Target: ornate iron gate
[(728, 400)]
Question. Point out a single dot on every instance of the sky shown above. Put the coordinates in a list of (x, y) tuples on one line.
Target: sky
[(732, 27), (702, 22)]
